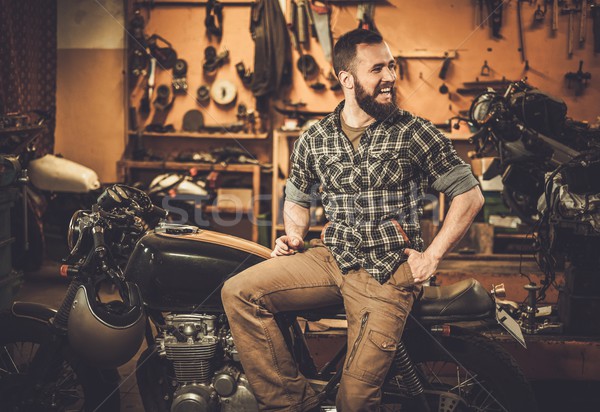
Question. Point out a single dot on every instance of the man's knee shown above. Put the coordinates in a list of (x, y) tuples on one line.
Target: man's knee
[(233, 291)]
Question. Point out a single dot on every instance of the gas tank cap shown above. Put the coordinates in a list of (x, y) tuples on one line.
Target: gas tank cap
[(175, 229)]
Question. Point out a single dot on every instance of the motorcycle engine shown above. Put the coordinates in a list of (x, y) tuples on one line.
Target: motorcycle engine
[(195, 347)]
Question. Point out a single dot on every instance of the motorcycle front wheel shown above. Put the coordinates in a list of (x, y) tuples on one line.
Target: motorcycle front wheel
[(70, 386), (478, 375)]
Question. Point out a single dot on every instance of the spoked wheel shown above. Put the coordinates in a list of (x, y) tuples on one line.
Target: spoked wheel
[(69, 385), (481, 377)]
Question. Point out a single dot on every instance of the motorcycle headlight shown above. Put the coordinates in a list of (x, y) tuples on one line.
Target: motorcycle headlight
[(483, 108), (74, 230)]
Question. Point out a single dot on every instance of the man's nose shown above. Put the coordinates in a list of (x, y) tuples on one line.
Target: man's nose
[(389, 74)]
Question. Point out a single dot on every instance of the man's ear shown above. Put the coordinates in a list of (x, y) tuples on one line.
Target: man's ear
[(346, 79)]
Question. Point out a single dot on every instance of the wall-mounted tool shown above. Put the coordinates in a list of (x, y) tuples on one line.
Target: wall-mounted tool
[(214, 15), (162, 105), (163, 101), (179, 81), (580, 78), (495, 9), (582, 22), (320, 16), (539, 15), (138, 59), (203, 94), (193, 121), (245, 74), (223, 92), (595, 9), (308, 66), (521, 35), (145, 102), (477, 87), (554, 23), (485, 69), (165, 56), (212, 60), (426, 54), (302, 22), (443, 70), (421, 54), (569, 11)]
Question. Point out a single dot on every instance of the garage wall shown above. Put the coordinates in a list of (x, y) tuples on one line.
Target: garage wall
[(90, 125), (433, 26), (90, 98)]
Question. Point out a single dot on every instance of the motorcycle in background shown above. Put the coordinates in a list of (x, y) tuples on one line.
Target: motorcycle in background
[(52, 188), (167, 280), (549, 166)]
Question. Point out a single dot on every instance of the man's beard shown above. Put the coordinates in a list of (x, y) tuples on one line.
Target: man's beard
[(367, 102)]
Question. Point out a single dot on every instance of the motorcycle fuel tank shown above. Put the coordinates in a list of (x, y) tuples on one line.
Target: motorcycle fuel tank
[(184, 269)]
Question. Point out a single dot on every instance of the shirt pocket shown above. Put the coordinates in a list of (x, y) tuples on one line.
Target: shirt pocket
[(335, 173), (388, 169)]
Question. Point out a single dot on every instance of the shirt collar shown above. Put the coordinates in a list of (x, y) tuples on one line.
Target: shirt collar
[(391, 121)]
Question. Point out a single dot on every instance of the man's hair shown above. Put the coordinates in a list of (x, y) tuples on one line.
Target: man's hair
[(344, 51)]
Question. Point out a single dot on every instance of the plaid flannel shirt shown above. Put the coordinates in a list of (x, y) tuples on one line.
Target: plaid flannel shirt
[(373, 197)]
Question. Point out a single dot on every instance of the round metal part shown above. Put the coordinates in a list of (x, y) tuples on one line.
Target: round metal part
[(73, 231), (224, 384), (223, 92), (193, 121), (166, 57), (180, 68), (203, 94), (210, 53), (308, 66), (191, 398)]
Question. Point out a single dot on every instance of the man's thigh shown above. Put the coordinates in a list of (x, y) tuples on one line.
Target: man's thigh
[(307, 279)]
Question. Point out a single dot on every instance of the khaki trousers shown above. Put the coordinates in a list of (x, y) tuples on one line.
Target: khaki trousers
[(376, 316)]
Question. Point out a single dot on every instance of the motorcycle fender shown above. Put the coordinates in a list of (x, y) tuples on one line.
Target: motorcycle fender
[(511, 325), (34, 311)]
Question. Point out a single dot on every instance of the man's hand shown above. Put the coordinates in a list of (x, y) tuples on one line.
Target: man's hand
[(422, 265), (287, 245)]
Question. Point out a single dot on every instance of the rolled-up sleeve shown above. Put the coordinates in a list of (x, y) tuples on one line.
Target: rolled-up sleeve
[(303, 178), (458, 180), (434, 154)]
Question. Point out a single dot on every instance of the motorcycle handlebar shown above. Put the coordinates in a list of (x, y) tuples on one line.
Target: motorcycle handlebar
[(479, 135), (99, 245), (159, 212)]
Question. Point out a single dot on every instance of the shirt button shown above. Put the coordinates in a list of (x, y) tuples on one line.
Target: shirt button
[(385, 345)]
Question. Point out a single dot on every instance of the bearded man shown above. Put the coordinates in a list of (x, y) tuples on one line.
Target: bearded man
[(372, 162)]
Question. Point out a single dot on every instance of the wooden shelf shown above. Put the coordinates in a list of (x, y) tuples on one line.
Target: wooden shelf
[(191, 135), (171, 165)]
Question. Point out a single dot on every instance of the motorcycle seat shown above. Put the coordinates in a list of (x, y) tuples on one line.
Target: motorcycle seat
[(466, 300)]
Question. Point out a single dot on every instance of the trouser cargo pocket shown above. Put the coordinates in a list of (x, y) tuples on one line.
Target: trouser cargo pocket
[(373, 351)]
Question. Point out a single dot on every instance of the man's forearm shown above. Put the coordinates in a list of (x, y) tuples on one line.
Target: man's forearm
[(296, 219), (462, 211)]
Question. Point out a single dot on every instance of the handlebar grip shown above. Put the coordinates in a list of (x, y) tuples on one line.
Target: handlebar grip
[(159, 212), (99, 245)]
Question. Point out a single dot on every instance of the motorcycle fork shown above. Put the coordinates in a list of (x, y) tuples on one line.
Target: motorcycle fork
[(49, 350)]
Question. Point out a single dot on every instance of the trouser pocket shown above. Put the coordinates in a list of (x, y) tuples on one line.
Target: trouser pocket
[(402, 277), (373, 350)]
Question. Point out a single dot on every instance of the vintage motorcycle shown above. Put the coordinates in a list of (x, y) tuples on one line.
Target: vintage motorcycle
[(52, 188), (549, 166), (167, 283)]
